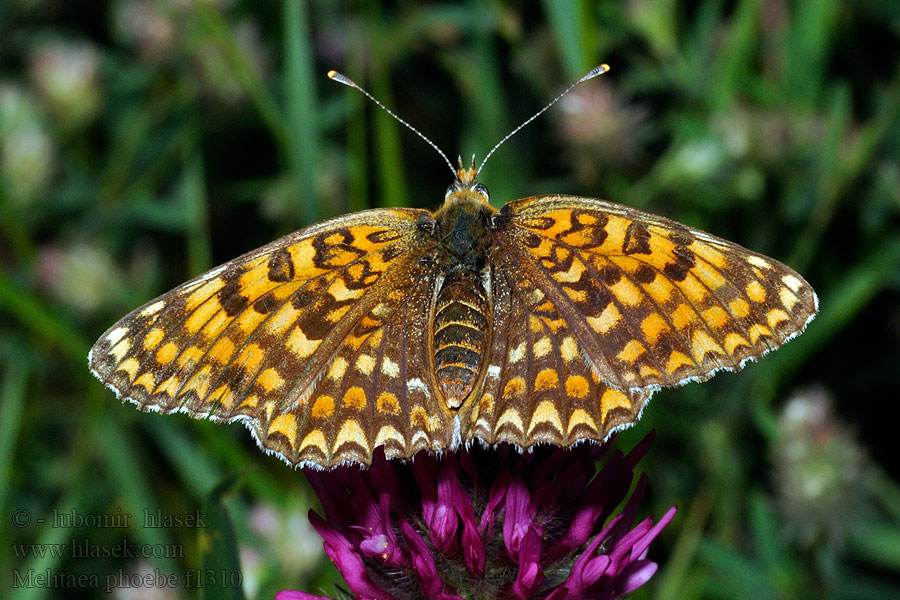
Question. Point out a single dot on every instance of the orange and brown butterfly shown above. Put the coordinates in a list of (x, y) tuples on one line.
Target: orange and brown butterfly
[(551, 320)]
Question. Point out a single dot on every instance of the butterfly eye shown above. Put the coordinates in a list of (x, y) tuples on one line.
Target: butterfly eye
[(481, 189)]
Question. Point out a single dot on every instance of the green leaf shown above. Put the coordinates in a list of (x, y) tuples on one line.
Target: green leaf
[(220, 566)]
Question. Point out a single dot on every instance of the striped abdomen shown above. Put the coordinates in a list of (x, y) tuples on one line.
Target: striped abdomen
[(460, 334)]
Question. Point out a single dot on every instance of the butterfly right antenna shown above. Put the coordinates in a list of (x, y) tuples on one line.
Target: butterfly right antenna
[(598, 70)]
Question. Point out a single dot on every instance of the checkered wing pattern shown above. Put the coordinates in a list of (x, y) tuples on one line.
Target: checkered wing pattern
[(538, 386), (651, 302), (300, 339), (378, 389)]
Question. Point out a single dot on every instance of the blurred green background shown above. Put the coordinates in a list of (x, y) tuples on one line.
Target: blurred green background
[(144, 141)]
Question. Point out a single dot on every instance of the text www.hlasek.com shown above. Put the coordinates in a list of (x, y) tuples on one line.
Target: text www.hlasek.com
[(86, 549)]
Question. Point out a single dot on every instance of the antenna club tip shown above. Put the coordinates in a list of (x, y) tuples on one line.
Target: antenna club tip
[(598, 70), (341, 78)]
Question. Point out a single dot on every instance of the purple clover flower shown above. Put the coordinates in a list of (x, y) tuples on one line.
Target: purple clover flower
[(488, 523)]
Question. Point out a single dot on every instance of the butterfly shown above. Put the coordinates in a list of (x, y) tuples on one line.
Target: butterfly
[(550, 320)]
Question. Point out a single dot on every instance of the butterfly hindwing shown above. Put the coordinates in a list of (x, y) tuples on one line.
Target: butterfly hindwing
[(653, 302), (377, 390), (538, 386), (247, 339)]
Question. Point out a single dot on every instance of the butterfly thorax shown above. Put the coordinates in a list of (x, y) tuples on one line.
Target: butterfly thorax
[(461, 308)]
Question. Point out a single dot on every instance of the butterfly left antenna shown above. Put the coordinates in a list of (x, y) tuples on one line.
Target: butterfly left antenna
[(598, 70), (341, 78)]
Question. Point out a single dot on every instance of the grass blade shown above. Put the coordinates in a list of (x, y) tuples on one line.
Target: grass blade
[(300, 106)]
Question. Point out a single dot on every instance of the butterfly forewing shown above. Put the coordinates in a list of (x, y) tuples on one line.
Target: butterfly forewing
[(250, 339), (653, 302)]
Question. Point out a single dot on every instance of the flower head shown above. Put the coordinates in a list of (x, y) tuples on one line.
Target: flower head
[(66, 74), (601, 128), (27, 152), (820, 470), (488, 523)]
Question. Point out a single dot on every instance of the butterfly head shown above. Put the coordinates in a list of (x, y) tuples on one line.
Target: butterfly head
[(466, 187)]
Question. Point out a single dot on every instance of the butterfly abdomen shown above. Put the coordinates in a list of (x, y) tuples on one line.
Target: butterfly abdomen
[(461, 326)]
